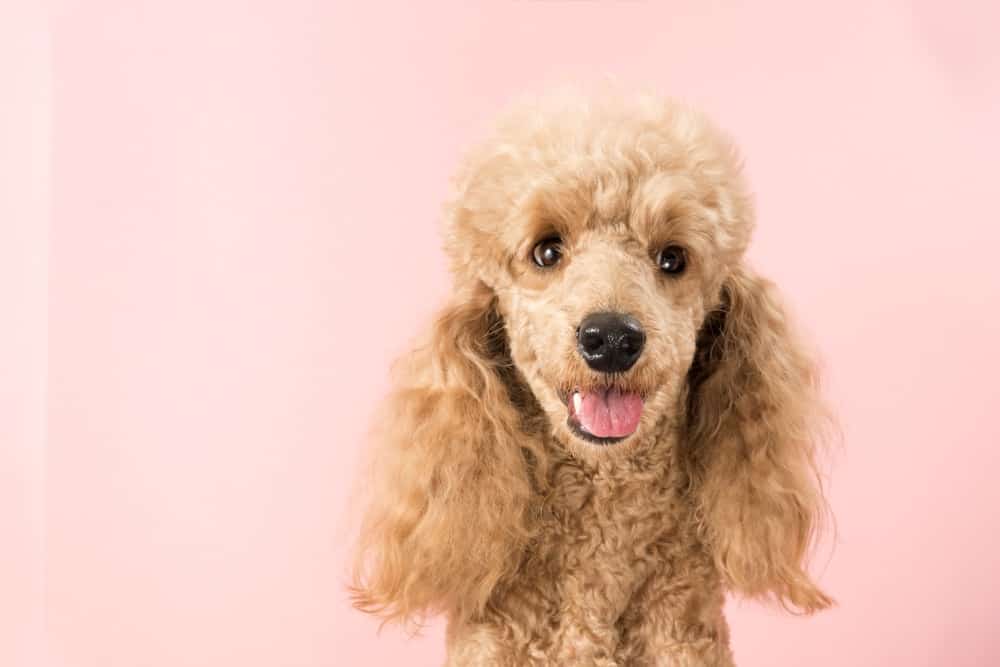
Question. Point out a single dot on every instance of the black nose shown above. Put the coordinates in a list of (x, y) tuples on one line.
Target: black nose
[(610, 342)]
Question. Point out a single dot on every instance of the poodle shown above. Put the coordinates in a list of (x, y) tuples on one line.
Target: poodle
[(611, 423)]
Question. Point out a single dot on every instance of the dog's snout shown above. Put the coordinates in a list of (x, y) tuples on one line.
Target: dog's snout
[(610, 342)]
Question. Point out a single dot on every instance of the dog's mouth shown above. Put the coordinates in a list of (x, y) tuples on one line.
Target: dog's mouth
[(603, 415)]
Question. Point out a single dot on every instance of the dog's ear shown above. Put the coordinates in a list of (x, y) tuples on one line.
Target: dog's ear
[(755, 423), (449, 516)]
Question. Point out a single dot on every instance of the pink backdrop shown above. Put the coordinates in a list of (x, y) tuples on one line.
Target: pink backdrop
[(24, 207), (234, 185)]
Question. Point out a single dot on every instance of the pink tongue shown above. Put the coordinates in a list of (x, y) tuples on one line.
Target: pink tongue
[(609, 414)]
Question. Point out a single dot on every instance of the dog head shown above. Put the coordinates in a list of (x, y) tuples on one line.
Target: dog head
[(606, 236)]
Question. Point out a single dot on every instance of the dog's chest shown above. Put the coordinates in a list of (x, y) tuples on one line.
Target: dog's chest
[(604, 533), (601, 538), (604, 544)]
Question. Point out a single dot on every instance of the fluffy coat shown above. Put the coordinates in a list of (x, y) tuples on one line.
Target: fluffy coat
[(542, 548)]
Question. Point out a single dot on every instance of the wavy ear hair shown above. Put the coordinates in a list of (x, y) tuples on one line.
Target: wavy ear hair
[(449, 516), (755, 423)]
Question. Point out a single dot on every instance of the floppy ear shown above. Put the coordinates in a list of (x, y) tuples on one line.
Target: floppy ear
[(755, 423), (449, 517)]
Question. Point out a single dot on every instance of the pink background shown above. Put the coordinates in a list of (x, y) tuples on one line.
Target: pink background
[(200, 201)]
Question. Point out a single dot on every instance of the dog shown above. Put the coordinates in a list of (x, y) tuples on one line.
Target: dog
[(612, 423)]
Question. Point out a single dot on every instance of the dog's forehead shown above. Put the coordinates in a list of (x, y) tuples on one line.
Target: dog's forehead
[(648, 206), (660, 175)]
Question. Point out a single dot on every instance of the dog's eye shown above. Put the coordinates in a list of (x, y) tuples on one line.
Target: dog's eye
[(548, 252), (672, 259)]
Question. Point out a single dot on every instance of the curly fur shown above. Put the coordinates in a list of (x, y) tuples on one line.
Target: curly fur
[(539, 547)]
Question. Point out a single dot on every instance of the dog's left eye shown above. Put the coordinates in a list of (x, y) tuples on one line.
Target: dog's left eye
[(672, 259), (548, 252)]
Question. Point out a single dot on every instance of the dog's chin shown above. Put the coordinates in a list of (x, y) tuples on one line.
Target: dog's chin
[(581, 434), (602, 416)]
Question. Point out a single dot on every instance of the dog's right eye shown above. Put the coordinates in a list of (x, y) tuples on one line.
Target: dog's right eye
[(548, 252)]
